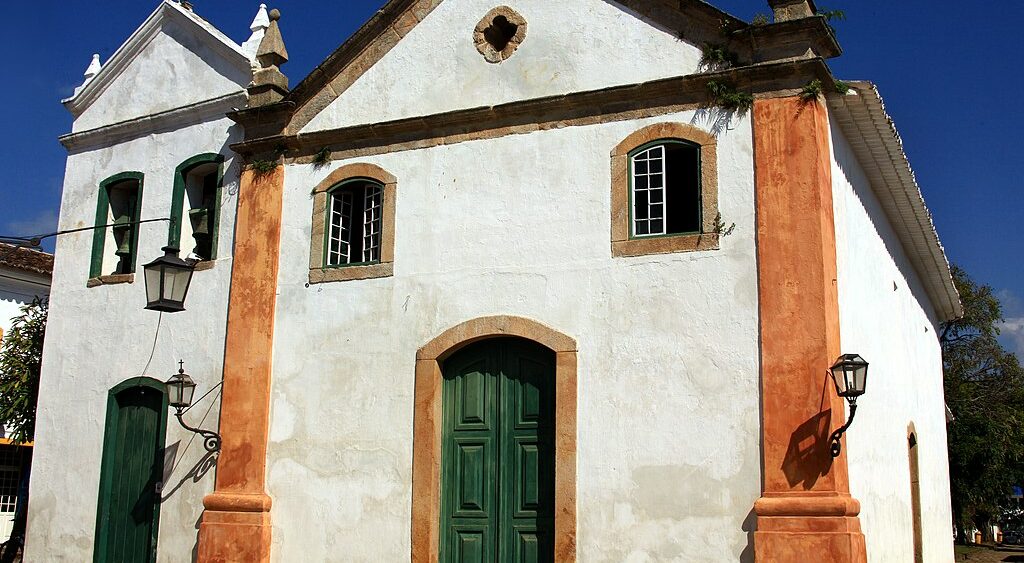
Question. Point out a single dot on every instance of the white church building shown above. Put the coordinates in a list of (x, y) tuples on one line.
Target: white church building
[(541, 280)]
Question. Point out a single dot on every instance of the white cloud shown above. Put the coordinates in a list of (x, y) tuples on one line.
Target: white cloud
[(1012, 305), (1012, 335)]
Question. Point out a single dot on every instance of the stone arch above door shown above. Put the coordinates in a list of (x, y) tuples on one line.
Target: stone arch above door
[(427, 428)]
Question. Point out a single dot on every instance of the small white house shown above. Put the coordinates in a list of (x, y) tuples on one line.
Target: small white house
[(534, 281)]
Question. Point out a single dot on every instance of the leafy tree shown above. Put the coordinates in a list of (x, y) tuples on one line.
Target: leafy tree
[(984, 386), (20, 361)]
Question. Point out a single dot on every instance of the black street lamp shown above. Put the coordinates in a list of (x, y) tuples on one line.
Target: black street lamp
[(180, 389), (167, 281), (850, 375)]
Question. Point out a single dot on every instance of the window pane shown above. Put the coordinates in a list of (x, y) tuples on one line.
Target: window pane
[(372, 215), (682, 184), (339, 232)]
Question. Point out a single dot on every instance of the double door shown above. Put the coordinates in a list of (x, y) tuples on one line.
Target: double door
[(497, 459)]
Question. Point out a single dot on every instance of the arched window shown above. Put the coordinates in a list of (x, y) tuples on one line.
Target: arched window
[(665, 191), (665, 188), (115, 248), (195, 207), (353, 230)]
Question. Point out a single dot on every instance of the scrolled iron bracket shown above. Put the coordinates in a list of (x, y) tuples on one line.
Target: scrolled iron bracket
[(211, 439)]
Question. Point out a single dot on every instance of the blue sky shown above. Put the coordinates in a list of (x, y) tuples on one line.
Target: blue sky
[(950, 72)]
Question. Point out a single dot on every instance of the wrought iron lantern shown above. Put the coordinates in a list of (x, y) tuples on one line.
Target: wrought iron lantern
[(180, 389), (167, 281), (850, 375)]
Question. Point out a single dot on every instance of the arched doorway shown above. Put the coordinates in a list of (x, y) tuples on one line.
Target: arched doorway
[(128, 512), (497, 453), (428, 428)]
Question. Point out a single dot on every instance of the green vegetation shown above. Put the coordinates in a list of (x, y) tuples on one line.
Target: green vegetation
[(720, 227), (322, 158), (984, 385), (21, 358), (718, 57), (842, 87), (727, 97), (760, 20), (811, 91), (263, 166), (832, 16)]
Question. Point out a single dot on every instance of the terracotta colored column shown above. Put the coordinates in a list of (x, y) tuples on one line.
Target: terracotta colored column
[(806, 512), (236, 524)]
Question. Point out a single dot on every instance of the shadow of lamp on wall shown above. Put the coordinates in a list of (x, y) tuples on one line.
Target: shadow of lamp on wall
[(180, 389), (850, 374)]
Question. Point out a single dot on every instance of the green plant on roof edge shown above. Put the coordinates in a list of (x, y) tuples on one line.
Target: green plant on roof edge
[(727, 97), (322, 158)]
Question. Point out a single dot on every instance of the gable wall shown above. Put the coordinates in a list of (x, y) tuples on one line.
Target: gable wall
[(886, 316), (98, 337), (174, 70), (668, 455), (569, 47)]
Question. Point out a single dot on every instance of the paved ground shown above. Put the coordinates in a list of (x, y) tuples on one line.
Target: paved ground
[(986, 554)]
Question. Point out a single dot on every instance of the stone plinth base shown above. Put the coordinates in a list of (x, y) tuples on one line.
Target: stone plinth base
[(235, 529), (800, 527)]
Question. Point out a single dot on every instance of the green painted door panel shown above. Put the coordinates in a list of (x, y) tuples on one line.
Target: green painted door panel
[(128, 512), (498, 454)]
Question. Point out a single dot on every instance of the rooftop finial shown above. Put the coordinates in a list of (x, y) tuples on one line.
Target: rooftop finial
[(90, 73), (259, 27), (268, 84)]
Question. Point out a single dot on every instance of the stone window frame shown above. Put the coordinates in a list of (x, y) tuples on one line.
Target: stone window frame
[(319, 272), (491, 54), (622, 243)]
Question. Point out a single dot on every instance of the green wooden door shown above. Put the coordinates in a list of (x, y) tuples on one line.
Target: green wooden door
[(498, 458), (132, 467)]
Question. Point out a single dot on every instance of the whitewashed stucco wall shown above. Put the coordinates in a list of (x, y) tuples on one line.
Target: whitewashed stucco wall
[(98, 337), (669, 420), (173, 70), (886, 316), (569, 47)]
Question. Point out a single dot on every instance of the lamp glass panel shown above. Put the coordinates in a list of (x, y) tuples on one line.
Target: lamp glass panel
[(181, 279), (860, 378), (839, 378), (187, 391), (153, 275), (174, 392), (169, 280)]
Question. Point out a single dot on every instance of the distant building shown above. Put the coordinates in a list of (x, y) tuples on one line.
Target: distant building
[(24, 277), (548, 280)]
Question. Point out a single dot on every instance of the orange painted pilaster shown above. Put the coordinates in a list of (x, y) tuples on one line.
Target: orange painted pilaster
[(805, 512), (236, 523)]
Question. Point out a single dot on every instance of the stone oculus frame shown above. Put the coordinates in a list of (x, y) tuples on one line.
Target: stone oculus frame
[(319, 272), (428, 420), (707, 239), (490, 24)]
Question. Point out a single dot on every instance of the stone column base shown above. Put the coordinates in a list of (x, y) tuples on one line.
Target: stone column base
[(800, 527), (235, 529)]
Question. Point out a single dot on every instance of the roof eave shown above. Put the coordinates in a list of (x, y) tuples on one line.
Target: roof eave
[(861, 114)]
